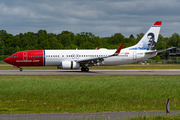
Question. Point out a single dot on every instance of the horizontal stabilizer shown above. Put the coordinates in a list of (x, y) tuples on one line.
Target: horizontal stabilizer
[(158, 51)]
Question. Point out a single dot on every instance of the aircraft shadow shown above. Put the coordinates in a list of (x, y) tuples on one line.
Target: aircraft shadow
[(78, 72)]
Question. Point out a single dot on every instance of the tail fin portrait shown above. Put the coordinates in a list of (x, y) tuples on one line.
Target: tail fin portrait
[(149, 40)]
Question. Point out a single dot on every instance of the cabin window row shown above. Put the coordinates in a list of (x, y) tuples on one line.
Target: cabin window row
[(36, 55), (75, 55), (85, 55), (52, 55)]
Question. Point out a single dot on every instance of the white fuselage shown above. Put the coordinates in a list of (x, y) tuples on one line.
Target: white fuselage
[(55, 57)]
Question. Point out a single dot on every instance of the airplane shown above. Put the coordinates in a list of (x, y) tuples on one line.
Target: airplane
[(74, 59)]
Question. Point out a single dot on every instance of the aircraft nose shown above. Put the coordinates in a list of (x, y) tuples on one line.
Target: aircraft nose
[(7, 60)]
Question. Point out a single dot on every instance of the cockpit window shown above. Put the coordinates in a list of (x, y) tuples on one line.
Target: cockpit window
[(14, 55)]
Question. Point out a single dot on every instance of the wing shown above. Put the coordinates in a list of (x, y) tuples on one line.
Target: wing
[(96, 60), (158, 51)]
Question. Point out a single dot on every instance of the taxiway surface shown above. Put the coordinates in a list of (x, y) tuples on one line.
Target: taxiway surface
[(92, 72)]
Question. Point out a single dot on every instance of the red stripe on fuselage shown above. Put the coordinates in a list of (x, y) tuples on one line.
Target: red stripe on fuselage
[(27, 58)]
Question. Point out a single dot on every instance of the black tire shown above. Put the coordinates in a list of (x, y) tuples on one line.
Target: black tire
[(87, 69), (82, 69), (20, 69)]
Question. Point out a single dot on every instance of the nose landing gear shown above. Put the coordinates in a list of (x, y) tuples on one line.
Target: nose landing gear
[(20, 69)]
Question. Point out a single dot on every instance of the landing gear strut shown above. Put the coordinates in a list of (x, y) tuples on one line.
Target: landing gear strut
[(85, 69), (20, 69)]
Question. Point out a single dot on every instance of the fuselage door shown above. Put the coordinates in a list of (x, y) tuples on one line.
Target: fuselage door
[(25, 56), (134, 55)]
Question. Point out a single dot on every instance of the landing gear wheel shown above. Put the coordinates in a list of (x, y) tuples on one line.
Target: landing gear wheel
[(82, 69), (20, 69), (85, 69)]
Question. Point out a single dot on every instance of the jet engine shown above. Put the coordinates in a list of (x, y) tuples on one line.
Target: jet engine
[(69, 65)]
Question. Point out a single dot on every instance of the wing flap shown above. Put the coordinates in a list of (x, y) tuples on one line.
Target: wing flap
[(99, 59)]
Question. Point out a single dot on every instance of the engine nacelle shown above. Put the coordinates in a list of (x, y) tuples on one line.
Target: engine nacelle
[(69, 65)]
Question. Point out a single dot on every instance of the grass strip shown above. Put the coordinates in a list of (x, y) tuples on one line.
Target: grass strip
[(52, 94)]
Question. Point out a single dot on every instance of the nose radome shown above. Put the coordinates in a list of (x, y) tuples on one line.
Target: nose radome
[(7, 60)]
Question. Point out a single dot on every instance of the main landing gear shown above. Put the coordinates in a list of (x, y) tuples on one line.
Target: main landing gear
[(84, 69)]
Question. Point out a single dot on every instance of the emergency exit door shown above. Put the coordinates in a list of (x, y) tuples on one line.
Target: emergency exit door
[(134, 55)]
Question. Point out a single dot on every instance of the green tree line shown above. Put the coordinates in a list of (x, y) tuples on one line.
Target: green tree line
[(10, 44)]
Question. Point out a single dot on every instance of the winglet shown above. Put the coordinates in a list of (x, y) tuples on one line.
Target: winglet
[(96, 48), (118, 50)]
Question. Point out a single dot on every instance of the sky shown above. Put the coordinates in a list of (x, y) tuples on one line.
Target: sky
[(103, 18)]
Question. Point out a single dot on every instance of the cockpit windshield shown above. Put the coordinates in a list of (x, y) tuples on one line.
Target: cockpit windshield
[(13, 55)]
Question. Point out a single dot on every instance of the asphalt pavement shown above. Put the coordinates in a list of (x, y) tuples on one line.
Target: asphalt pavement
[(92, 72), (85, 116)]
